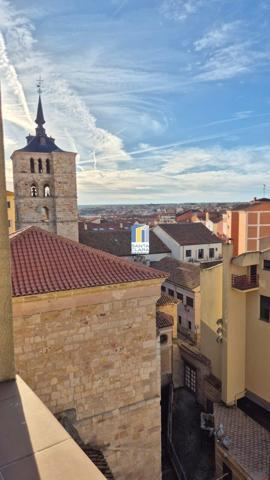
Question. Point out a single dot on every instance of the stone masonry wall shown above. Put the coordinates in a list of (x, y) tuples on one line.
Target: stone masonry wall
[(94, 350), (61, 205)]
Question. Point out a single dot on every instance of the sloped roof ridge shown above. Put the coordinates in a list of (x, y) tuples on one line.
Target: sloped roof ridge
[(25, 231)]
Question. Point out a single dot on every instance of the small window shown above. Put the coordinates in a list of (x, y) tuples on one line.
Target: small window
[(8, 204), (47, 191), (189, 325), (188, 253), (34, 192), (32, 165), (179, 319), (9, 223), (163, 339), (200, 253), (180, 296), (264, 308), (45, 214), (171, 292), (211, 252), (266, 264), (48, 166), (163, 289), (190, 302), (40, 169)]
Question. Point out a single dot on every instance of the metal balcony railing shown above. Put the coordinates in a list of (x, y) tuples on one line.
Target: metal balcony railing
[(245, 282)]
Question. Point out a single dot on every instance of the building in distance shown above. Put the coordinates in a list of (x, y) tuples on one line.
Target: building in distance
[(190, 242)]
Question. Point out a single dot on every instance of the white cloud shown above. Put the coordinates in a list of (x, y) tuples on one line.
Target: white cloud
[(197, 174), (217, 37), (230, 61), (179, 10), (69, 108)]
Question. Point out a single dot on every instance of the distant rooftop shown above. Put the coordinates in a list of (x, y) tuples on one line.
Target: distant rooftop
[(190, 233), (118, 242), (43, 262), (184, 274)]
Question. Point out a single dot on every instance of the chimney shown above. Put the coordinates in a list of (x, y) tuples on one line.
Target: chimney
[(7, 368)]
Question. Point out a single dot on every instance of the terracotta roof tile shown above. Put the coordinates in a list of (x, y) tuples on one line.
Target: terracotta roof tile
[(184, 274), (249, 441), (163, 320), (166, 300), (190, 233), (43, 262)]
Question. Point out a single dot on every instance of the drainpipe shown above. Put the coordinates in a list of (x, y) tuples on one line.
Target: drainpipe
[(7, 367)]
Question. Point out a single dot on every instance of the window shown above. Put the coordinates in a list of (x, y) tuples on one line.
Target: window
[(45, 214), (266, 264), (32, 165), (48, 167), (34, 192), (163, 339), (163, 289), (180, 296), (179, 319), (8, 204), (190, 377), (40, 169), (188, 253), (171, 292), (200, 253), (189, 325), (189, 302), (9, 223), (211, 252), (264, 308), (47, 192)]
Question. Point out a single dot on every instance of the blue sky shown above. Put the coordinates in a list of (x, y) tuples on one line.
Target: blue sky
[(164, 100)]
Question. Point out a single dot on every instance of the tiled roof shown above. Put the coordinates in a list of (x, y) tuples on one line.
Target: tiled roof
[(166, 300), (249, 441), (163, 320), (67, 419), (190, 233), (99, 460), (43, 262), (184, 274), (35, 145), (118, 242)]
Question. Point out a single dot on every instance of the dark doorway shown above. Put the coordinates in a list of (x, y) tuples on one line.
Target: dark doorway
[(209, 406), (227, 472)]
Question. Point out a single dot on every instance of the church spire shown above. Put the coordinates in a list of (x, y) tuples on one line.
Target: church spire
[(40, 116)]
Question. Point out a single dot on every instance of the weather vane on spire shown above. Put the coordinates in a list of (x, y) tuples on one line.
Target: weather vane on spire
[(39, 85)]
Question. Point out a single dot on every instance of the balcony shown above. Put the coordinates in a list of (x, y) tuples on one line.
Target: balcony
[(245, 282)]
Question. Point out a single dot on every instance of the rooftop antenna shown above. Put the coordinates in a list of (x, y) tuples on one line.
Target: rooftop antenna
[(264, 190), (39, 85)]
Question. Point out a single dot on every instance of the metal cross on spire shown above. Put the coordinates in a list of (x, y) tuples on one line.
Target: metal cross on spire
[(39, 85)]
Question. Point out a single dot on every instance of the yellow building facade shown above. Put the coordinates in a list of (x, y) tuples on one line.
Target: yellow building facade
[(11, 211), (235, 337)]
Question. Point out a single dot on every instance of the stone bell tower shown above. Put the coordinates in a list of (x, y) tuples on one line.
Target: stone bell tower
[(44, 179)]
